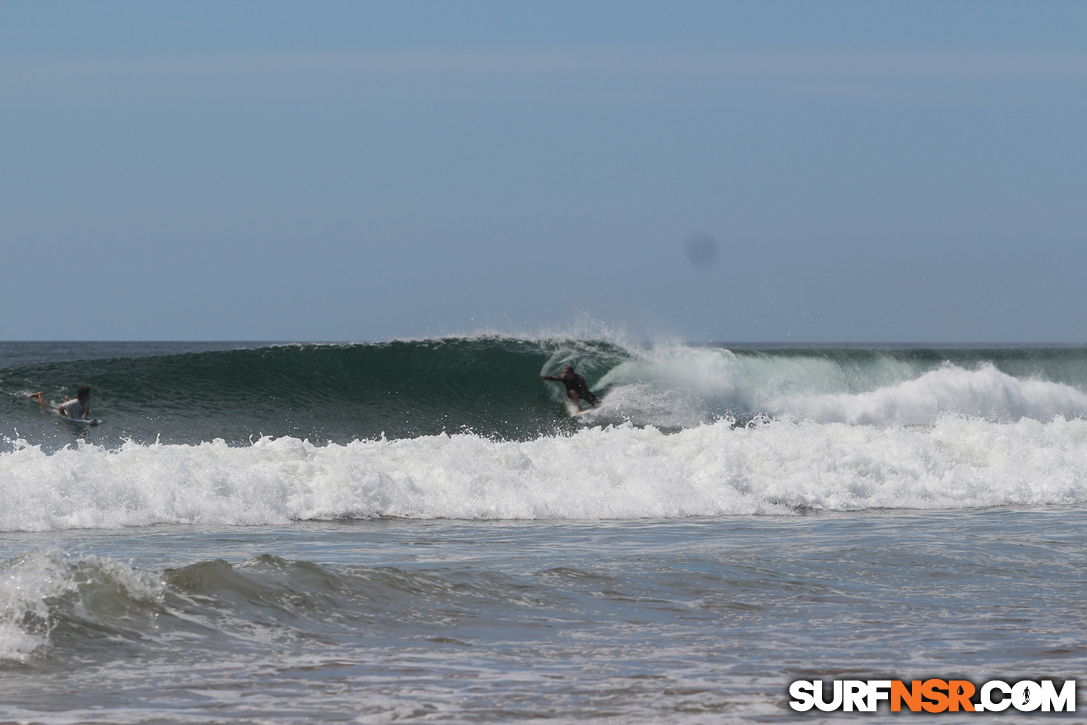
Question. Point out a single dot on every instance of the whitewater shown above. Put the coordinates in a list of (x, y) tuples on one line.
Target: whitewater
[(419, 530), (616, 472)]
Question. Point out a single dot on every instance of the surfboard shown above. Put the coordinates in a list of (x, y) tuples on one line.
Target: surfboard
[(90, 422)]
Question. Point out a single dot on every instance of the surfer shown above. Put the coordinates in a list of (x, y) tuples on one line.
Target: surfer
[(576, 387), (78, 408)]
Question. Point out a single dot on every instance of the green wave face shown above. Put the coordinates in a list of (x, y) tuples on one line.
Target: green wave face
[(489, 386)]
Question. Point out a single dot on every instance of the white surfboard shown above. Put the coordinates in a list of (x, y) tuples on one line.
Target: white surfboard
[(81, 421), (574, 412)]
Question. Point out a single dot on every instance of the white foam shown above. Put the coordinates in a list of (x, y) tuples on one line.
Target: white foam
[(619, 472), (681, 386), (983, 393)]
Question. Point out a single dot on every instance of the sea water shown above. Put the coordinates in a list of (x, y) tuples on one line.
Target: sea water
[(416, 530)]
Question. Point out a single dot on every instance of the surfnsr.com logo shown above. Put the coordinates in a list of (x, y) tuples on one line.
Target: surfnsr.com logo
[(934, 696)]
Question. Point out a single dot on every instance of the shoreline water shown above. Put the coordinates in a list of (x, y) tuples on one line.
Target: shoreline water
[(674, 621)]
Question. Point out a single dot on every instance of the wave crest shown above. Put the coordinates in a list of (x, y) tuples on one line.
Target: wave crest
[(45, 593)]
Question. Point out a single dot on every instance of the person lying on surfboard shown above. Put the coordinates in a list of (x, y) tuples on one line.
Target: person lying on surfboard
[(576, 387), (78, 408)]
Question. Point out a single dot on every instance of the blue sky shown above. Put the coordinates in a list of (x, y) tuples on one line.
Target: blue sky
[(867, 171)]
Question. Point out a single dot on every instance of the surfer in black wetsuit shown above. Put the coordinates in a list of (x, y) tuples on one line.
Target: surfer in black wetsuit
[(576, 387)]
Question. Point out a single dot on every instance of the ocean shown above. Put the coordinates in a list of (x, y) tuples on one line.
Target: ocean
[(419, 531)]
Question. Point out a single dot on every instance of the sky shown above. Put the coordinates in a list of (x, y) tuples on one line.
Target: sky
[(863, 172)]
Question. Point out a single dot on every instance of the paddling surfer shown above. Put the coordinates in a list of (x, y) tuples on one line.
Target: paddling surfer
[(576, 387), (80, 407)]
